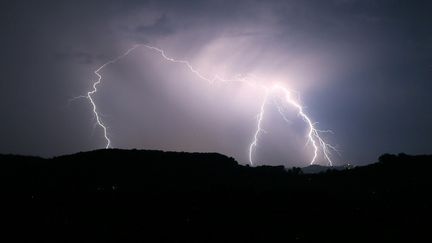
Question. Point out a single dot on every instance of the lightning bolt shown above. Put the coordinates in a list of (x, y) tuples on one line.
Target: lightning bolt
[(90, 94), (259, 129), (313, 135)]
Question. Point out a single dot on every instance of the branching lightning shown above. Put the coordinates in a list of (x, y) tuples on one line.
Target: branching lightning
[(94, 90), (313, 136)]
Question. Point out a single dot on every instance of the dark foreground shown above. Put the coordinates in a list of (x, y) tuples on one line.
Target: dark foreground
[(151, 196)]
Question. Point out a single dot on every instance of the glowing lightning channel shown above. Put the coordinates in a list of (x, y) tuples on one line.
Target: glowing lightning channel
[(313, 134), (258, 129), (94, 90)]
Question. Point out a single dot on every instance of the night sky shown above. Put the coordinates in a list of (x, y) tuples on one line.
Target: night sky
[(363, 69)]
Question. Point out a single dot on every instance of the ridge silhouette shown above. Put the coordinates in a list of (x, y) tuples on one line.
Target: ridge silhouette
[(153, 196)]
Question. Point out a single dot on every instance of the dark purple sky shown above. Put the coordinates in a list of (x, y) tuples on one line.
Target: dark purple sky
[(363, 69)]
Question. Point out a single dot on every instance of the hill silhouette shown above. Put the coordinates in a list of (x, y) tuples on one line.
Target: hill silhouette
[(153, 196)]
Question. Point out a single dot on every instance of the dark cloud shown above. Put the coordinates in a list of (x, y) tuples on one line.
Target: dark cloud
[(80, 57), (162, 26)]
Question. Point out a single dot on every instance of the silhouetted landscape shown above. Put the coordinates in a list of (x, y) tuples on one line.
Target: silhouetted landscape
[(153, 196)]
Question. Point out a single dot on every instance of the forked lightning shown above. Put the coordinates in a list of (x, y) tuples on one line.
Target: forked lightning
[(314, 139)]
